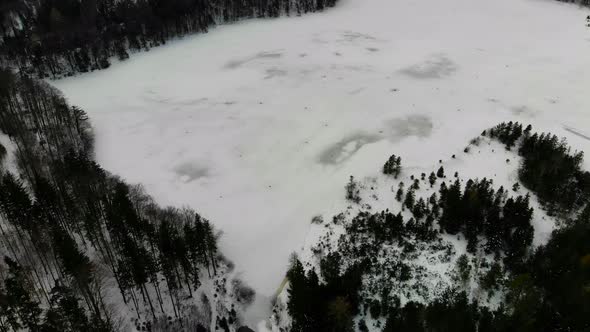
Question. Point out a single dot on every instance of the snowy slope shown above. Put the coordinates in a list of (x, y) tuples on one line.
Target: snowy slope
[(258, 125)]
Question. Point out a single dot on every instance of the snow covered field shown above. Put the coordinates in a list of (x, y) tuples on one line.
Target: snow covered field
[(258, 125)]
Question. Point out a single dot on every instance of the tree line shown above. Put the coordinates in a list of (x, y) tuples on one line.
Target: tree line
[(65, 220), (549, 168), (581, 2), (53, 38)]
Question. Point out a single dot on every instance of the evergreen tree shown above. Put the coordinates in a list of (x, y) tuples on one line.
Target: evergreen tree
[(517, 216), (433, 200), (451, 219), (65, 313), (211, 242), (419, 209), (516, 186), (410, 199), (352, 191), (20, 308), (77, 265), (415, 185), (441, 172), (393, 166), (301, 297), (432, 179)]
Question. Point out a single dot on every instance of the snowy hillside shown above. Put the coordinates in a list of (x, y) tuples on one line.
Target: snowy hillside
[(417, 269), (258, 125)]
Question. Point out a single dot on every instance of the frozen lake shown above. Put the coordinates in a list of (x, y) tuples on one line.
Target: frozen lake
[(258, 125)]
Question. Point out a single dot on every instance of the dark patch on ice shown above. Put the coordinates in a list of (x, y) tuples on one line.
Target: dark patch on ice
[(233, 64), (190, 102), (308, 71), (552, 101), (317, 39), (438, 66), (352, 36), (354, 68), (270, 54), (522, 110), (274, 72), (372, 49), (189, 172), (576, 132), (356, 91), (346, 148), (397, 129), (412, 125), (152, 97)]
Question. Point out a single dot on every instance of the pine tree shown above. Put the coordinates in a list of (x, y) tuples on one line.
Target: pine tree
[(432, 179), (77, 265), (516, 186), (452, 219), (419, 209), (65, 313), (517, 216), (194, 241), (409, 200), (168, 262), (22, 311), (211, 242), (392, 166), (443, 191), (433, 200), (301, 295), (352, 191)]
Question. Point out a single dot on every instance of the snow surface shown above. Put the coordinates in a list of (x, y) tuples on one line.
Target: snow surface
[(258, 125)]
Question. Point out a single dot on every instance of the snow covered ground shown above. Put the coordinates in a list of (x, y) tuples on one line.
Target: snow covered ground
[(258, 125)]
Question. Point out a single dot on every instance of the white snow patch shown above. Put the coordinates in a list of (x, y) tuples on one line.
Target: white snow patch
[(9, 163)]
